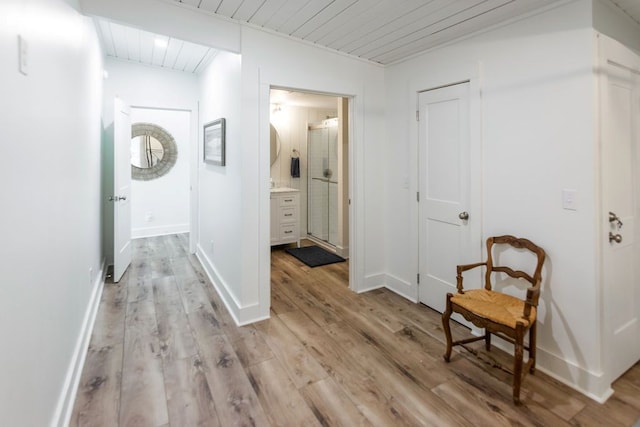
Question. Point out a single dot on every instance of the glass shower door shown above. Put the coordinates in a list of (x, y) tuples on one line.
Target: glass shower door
[(322, 195)]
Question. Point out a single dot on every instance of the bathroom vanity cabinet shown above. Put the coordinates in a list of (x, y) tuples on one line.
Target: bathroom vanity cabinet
[(285, 216)]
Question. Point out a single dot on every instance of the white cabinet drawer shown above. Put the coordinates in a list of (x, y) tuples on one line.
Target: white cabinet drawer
[(289, 232), (289, 214), (289, 200)]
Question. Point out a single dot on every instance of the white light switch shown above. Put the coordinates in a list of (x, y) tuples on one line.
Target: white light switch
[(569, 199), (22, 55)]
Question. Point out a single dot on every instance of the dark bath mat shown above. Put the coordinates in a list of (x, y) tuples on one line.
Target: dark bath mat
[(314, 256)]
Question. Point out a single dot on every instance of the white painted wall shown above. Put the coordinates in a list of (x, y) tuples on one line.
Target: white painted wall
[(536, 77), (161, 206), (148, 87), (50, 255), (234, 200), (221, 188)]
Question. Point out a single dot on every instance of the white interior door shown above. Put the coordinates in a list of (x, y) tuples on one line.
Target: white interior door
[(445, 234), (122, 188), (620, 147)]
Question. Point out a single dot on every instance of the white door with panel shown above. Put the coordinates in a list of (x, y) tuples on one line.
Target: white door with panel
[(620, 148), (445, 173), (122, 188)]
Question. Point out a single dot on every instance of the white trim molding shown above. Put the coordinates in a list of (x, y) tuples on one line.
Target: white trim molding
[(241, 314), (401, 287), (64, 408)]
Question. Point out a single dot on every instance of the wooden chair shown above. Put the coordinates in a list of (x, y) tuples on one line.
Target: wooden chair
[(499, 314)]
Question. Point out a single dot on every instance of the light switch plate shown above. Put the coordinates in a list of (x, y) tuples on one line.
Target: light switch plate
[(23, 50), (569, 199)]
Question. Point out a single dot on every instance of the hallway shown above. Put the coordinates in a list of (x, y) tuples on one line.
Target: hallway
[(165, 352)]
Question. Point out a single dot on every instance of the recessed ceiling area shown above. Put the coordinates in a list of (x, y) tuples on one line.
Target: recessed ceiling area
[(134, 45)]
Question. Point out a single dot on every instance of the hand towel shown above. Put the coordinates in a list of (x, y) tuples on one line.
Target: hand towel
[(295, 167)]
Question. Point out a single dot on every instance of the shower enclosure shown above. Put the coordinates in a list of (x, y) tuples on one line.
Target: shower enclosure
[(322, 191)]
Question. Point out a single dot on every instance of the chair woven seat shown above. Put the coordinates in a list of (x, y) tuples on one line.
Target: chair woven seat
[(494, 306)]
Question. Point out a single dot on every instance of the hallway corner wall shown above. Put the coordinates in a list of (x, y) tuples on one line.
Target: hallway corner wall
[(50, 168)]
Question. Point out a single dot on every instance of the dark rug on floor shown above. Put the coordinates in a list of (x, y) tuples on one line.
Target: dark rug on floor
[(314, 256)]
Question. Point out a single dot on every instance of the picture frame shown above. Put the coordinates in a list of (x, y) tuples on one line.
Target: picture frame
[(214, 142)]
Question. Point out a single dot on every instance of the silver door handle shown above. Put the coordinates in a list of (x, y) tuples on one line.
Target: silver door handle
[(614, 218), (463, 216)]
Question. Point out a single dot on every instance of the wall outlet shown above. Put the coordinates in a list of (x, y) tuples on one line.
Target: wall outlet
[(569, 199), (148, 217)]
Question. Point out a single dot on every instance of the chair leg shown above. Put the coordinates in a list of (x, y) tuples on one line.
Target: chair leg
[(533, 333), (517, 363), (487, 340), (447, 328)]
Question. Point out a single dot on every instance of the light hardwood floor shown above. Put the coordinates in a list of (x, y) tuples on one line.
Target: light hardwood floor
[(165, 352)]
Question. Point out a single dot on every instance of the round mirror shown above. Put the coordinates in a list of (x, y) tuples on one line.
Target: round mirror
[(146, 151), (153, 151), (275, 144)]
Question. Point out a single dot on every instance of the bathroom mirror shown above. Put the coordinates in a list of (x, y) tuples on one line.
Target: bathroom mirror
[(153, 151), (275, 144)]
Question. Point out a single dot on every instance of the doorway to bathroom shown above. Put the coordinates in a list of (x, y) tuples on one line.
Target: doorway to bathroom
[(309, 170), (310, 155)]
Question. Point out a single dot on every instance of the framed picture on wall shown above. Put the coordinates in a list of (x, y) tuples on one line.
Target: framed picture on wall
[(214, 142)]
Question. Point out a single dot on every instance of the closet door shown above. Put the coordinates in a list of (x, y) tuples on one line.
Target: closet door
[(445, 218), (620, 157)]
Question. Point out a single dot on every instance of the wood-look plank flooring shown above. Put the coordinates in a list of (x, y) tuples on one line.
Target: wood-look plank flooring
[(165, 352)]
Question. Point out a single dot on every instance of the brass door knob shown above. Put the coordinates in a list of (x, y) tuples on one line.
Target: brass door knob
[(615, 238)]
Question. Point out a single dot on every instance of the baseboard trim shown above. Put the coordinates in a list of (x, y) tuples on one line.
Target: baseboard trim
[(372, 282), (342, 251), (64, 408), (593, 385), (138, 233), (402, 288), (242, 315)]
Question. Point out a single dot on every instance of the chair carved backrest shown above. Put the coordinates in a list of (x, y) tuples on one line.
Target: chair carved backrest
[(518, 243)]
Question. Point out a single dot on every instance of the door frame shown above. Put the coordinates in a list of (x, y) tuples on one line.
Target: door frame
[(354, 260), (607, 48), (194, 125), (471, 74), (357, 282)]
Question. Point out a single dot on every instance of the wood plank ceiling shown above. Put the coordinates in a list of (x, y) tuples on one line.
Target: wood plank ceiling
[(630, 7), (147, 48), (382, 31)]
